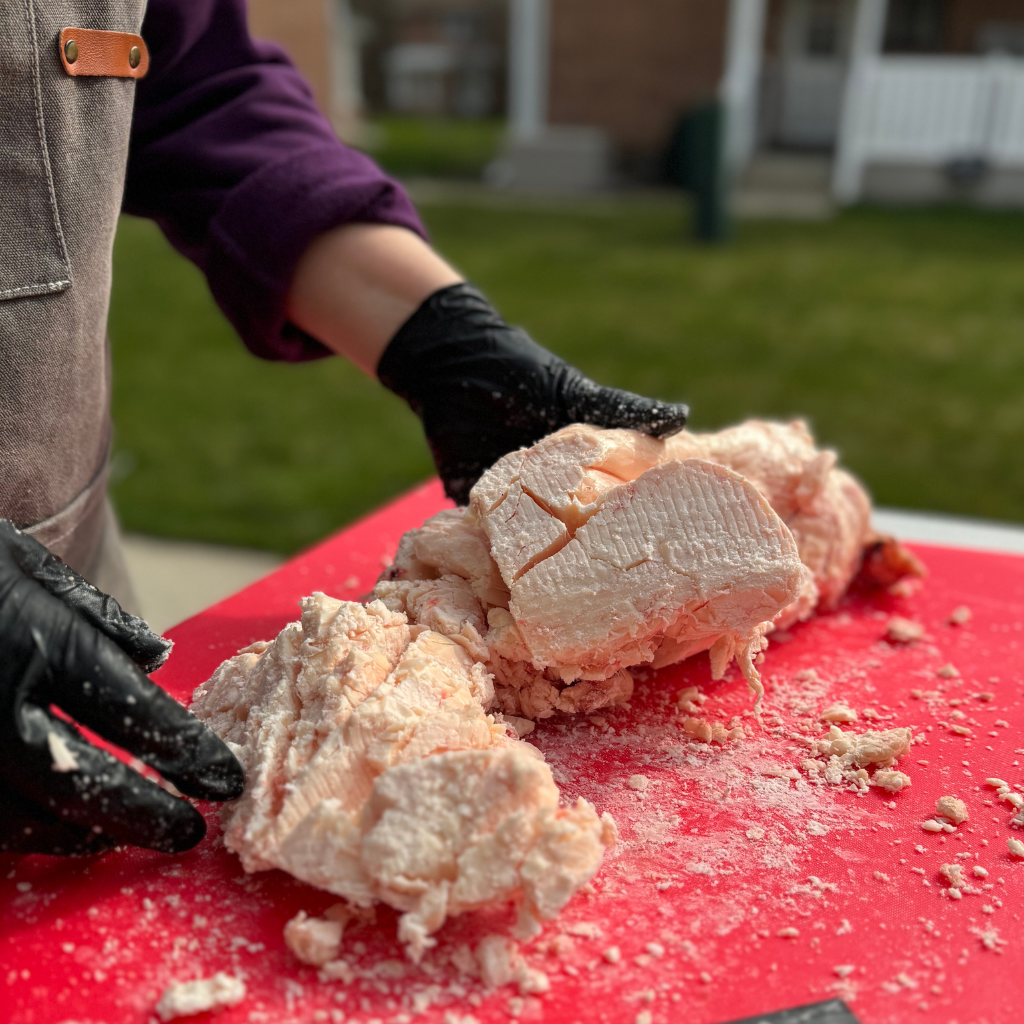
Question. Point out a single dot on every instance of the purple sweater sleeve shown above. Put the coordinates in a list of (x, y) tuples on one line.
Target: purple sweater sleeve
[(230, 156)]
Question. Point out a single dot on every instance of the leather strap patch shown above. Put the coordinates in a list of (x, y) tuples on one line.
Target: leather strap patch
[(90, 51)]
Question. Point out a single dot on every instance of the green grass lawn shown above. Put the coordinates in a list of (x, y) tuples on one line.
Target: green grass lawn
[(899, 335)]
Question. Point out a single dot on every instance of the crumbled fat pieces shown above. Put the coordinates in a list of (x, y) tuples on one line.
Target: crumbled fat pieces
[(712, 732), (845, 757), (953, 875), (187, 998), (373, 771), (879, 748), (598, 550)]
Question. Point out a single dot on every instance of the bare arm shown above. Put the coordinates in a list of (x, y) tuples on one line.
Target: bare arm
[(356, 285)]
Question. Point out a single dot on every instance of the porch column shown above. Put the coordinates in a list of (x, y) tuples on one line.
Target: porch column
[(346, 71), (739, 90), (528, 53), (865, 49)]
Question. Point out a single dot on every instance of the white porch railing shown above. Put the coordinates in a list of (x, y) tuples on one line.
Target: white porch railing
[(931, 110)]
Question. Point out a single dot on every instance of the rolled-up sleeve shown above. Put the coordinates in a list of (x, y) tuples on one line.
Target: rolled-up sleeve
[(230, 156)]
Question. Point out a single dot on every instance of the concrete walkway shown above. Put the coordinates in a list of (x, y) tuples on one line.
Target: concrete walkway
[(956, 531), (177, 579), (776, 186)]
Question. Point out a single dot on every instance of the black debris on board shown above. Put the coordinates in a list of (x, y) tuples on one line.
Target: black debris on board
[(834, 1011)]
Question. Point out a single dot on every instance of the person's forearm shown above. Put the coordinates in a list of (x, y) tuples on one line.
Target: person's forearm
[(356, 285)]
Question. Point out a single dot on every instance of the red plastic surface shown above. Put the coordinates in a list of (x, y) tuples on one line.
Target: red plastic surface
[(716, 856)]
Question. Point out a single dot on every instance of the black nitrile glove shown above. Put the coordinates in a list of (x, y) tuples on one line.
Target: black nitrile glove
[(65, 644), (483, 389)]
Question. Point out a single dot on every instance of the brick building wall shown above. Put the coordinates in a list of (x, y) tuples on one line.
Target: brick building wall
[(632, 66), (965, 17), (304, 29)]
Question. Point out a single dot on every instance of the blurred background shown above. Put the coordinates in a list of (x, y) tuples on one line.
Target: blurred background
[(763, 207)]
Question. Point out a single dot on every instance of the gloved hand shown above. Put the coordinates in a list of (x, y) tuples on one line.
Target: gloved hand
[(483, 389), (65, 644)]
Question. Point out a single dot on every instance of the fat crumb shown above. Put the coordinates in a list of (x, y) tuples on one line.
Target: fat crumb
[(947, 671), (904, 631), (690, 700), (638, 782), (500, 963), (952, 808), (63, 759), (839, 713), (187, 998), (561, 946), (953, 875), (960, 615), (1016, 848), (890, 780), (313, 940), (788, 933)]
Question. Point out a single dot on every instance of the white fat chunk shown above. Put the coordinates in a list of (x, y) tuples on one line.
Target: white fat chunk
[(374, 772)]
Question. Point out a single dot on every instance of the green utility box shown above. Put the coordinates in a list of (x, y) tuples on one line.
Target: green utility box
[(696, 163)]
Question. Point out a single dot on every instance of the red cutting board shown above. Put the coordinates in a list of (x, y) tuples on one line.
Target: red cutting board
[(715, 859)]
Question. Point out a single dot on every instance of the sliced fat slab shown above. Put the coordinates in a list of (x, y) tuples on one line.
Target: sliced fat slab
[(688, 552), (616, 556)]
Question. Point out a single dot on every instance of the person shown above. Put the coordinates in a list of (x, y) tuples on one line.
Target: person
[(309, 249)]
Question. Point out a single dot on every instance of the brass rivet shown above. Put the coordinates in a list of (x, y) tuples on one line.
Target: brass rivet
[(134, 56), (71, 51)]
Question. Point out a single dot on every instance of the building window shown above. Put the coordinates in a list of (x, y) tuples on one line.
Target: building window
[(823, 27), (915, 26), (1006, 37)]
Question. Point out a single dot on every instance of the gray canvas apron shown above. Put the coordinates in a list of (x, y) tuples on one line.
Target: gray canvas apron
[(63, 148)]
